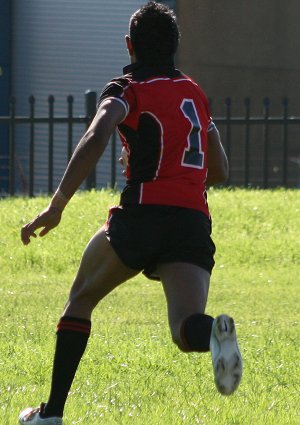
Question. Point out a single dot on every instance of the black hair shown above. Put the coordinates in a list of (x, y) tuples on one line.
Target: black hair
[(154, 34)]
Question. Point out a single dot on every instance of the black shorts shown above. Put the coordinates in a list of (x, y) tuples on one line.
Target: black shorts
[(144, 236)]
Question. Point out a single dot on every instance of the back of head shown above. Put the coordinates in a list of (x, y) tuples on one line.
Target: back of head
[(154, 34)]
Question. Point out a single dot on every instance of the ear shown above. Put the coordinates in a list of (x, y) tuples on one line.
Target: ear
[(129, 45)]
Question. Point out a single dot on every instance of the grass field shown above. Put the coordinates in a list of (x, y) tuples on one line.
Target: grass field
[(132, 373)]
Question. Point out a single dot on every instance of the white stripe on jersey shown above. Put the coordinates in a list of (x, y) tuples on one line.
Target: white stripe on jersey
[(141, 193), (165, 79), (211, 127), (157, 79), (152, 81)]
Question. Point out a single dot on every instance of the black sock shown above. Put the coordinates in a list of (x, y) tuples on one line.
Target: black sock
[(195, 332), (72, 338)]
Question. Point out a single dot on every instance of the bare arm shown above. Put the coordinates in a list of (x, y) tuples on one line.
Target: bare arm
[(217, 162), (87, 153)]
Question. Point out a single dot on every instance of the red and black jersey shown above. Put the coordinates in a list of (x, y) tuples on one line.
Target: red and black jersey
[(165, 134)]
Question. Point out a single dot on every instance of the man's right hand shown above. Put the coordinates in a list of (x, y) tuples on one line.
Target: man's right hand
[(47, 219)]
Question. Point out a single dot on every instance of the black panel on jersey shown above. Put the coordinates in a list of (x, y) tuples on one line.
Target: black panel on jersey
[(145, 148), (114, 88), (130, 194)]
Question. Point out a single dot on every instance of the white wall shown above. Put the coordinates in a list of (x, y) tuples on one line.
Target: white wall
[(63, 47)]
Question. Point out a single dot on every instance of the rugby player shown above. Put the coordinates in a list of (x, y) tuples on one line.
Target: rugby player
[(162, 225)]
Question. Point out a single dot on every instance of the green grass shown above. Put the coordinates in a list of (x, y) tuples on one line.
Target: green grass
[(131, 372)]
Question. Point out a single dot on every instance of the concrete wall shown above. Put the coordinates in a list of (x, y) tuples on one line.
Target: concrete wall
[(242, 48), (239, 49), (63, 47)]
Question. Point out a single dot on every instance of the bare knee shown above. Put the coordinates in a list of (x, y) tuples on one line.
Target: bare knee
[(81, 304), (178, 339)]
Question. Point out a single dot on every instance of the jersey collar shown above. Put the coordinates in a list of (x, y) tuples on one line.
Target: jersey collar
[(142, 71)]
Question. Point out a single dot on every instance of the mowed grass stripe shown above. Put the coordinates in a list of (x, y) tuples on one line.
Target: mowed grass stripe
[(131, 372)]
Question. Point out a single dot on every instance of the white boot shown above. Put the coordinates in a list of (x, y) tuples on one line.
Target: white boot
[(226, 356)]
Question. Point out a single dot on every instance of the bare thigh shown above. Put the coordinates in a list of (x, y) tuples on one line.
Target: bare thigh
[(100, 271), (186, 289)]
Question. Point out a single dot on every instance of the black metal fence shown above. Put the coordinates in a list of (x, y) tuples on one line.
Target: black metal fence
[(251, 150), (50, 120), (286, 154)]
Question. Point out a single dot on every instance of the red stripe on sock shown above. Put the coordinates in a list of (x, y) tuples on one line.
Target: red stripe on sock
[(73, 326), (77, 324)]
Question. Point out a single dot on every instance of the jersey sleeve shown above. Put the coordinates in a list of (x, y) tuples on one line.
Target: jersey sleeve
[(210, 124), (120, 90)]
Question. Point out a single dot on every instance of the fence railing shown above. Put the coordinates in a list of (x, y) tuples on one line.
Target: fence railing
[(50, 120), (227, 124), (265, 121)]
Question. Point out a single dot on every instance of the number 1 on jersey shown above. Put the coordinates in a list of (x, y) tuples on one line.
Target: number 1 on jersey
[(193, 155)]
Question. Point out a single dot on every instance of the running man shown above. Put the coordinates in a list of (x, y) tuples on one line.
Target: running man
[(162, 225)]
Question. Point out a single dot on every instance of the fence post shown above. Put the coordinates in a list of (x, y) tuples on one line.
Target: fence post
[(266, 103), (228, 133), (90, 110), (51, 140), (31, 147), (113, 160), (70, 100), (12, 146), (247, 141), (285, 104)]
